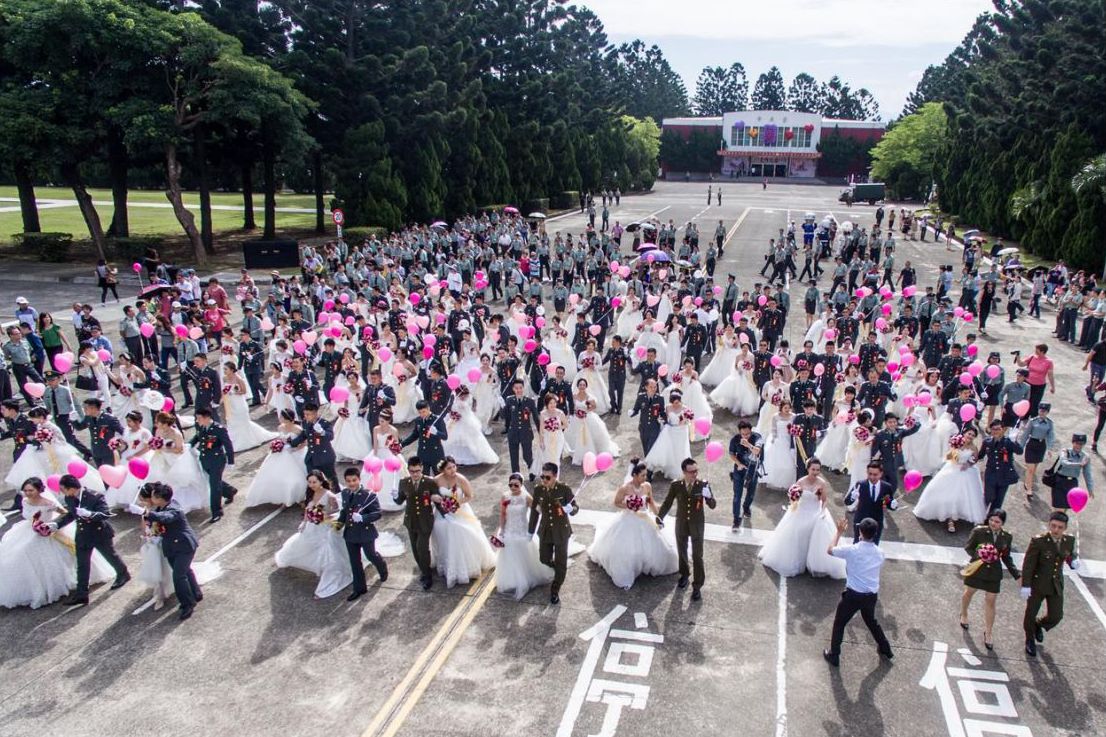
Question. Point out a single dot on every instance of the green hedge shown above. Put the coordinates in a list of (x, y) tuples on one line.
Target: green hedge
[(565, 200), (540, 204), (368, 231), (52, 247), (133, 248)]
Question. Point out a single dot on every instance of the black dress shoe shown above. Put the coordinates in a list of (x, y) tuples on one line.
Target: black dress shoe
[(355, 595), (682, 583), (231, 492), (121, 581), (832, 659), (384, 575), (215, 518), (696, 595), (887, 654), (76, 600), (554, 599), (199, 597), (1039, 633), (427, 583), (186, 612), (1031, 648)]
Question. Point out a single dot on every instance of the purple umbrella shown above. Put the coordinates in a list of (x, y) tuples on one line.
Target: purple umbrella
[(657, 255)]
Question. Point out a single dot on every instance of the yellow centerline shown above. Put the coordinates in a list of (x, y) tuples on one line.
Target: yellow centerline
[(736, 225), (430, 661)]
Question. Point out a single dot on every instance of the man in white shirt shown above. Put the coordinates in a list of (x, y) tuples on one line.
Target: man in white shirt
[(863, 561)]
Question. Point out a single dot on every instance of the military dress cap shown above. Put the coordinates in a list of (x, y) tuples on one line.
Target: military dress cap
[(51, 375), (1079, 438), (994, 354), (1047, 407), (1023, 372)]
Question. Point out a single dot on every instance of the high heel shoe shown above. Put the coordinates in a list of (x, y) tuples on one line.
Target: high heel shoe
[(963, 625), (989, 645)]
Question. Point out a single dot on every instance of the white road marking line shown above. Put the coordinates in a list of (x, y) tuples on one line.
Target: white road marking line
[(1077, 579), (640, 620), (781, 661), (968, 657), (257, 526), (591, 659)]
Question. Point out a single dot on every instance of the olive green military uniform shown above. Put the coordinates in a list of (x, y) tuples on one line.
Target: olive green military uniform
[(988, 577), (1043, 574), (690, 523), (554, 529), (418, 518)]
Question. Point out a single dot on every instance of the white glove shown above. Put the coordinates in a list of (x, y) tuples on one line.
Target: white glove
[(83, 513), (53, 526), (1074, 564), (707, 493), (1025, 592), (893, 505), (136, 509), (318, 428), (433, 431), (356, 517)]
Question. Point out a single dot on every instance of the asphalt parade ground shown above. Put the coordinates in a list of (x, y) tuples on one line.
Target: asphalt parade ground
[(262, 657)]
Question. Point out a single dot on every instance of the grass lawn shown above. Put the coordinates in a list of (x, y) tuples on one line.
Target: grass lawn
[(149, 220)]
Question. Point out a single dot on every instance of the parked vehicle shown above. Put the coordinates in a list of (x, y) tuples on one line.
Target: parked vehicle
[(871, 191)]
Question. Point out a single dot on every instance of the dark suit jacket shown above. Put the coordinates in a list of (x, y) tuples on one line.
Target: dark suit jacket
[(866, 506), (319, 450), (419, 511), (91, 531), (101, 429), (179, 537), (368, 505), (1043, 566), (430, 450)]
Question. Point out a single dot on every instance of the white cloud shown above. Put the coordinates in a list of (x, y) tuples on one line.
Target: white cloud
[(836, 23)]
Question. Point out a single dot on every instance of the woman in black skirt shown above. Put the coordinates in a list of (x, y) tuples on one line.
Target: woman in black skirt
[(986, 301), (991, 381), (1040, 437), (986, 575), (1069, 466)]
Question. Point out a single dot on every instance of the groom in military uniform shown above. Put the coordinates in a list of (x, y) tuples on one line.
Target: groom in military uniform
[(551, 498), (360, 509), (689, 495), (419, 494), (1043, 579), (430, 431)]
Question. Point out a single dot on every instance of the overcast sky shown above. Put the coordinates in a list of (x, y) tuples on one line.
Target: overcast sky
[(883, 45)]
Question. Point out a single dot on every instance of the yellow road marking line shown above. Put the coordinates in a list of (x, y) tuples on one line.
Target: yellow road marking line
[(736, 225), (426, 666)]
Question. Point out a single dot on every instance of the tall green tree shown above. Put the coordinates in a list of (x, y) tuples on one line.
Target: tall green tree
[(769, 93), (721, 90), (906, 157), (804, 94)]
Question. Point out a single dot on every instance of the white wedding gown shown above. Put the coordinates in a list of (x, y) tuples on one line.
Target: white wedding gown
[(244, 432), (351, 434), (319, 549), (36, 570), (737, 393), (465, 440), (51, 458), (460, 548), (184, 474), (632, 545), (673, 445), (954, 493), (587, 433), (779, 457), (722, 363), (801, 539), (390, 479), (517, 567), (282, 477)]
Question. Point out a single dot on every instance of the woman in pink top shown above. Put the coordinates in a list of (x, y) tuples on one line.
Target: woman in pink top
[(1039, 366)]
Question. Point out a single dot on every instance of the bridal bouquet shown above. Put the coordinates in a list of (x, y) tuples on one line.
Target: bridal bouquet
[(910, 422), (581, 413), (635, 503), (276, 446), (117, 444), (40, 527), (46, 435), (987, 553), (156, 443), (449, 505), (496, 542), (289, 388), (794, 493), (794, 431), (862, 434), (125, 391), (587, 363), (552, 424), (315, 515), (395, 447), (227, 350), (343, 413), (957, 441), (776, 399)]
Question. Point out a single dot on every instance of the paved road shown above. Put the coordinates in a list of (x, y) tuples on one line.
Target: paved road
[(607, 661)]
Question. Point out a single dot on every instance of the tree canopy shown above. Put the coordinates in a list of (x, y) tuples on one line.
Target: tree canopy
[(1023, 96), (906, 157), (721, 90)]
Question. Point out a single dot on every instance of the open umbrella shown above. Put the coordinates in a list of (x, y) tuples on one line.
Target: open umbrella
[(439, 224), (648, 226), (537, 215), (968, 234), (510, 210), (656, 254), (1008, 250)]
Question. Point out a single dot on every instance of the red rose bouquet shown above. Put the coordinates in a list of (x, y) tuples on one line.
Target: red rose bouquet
[(777, 398), (987, 553), (496, 542), (343, 413), (45, 435), (227, 390), (40, 527), (552, 424), (276, 446), (794, 493), (587, 363), (289, 388), (315, 515), (957, 441), (449, 505), (839, 377), (395, 447), (747, 365), (125, 391), (117, 444), (156, 443), (227, 350), (688, 415), (794, 431), (454, 416), (910, 422), (862, 434), (635, 502), (581, 413)]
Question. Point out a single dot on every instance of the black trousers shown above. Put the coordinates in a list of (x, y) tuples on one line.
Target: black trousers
[(420, 549), (648, 436), (994, 493), (851, 603), (184, 580), (134, 347), (696, 570), (66, 428), (526, 443), (216, 487), (23, 374), (616, 387), (554, 554), (354, 550), (1054, 613), (84, 563)]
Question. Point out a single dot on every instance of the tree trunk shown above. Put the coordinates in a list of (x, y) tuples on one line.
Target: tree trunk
[(206, 235), (118, 165), (71, 173), (249, 222), (317, 165), (176, 199), (28, 206), (269, 174)]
